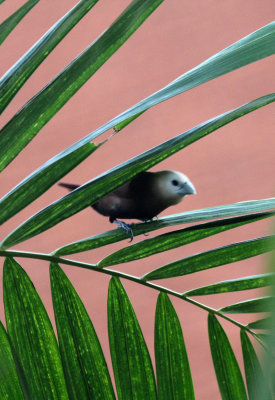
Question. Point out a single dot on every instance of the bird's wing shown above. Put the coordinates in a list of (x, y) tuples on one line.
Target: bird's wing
[(123, 191), (115, 206), (138, 187)]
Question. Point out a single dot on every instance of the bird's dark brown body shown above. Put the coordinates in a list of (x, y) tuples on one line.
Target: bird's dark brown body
[(144, 197), (135, 200)]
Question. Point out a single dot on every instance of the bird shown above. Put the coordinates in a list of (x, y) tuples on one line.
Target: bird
[(143, 197)]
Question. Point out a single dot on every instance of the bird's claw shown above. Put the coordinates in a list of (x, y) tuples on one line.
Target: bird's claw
[(126, 227)]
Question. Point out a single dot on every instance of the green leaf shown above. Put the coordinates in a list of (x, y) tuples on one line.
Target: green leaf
[(10, 23), (253, 47), (212, 258), (253, 371), (173, 371), (41, 180), (174, 239), (257, 45), (268, 340), (117, 235), (132, 365), (234, 285), (127, 121), (261, 304), (227, 370), (23, 127), (107, 182), (9, 383), (18, 74), (264, 323), (84, 365), (32, 335)]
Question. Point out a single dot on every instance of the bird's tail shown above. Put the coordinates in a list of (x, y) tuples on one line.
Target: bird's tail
[(70, 186)]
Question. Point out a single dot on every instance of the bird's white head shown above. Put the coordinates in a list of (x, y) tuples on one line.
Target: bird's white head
[(173, 186)]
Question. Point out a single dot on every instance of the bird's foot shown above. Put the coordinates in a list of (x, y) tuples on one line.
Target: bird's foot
[(126, 227)]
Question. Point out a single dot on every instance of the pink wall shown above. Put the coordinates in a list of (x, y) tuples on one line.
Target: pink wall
[(233, 164)]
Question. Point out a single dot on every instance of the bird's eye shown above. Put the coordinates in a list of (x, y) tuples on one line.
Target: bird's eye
[(175, 182)]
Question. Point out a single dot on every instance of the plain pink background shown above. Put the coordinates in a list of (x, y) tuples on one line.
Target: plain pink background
[(235, 163)]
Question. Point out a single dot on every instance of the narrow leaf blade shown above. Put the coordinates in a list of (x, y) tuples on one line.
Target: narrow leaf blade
[(253, 47), (261, 324), (176, 239), (261, 304), (18, 74), (253, 371), (117, 235), (25, 124), (11, 22), (257, 45), (227, 370), (265, 338), (212, 258), (83, 361), (233, 285), (107, 182), (132, 365), (32, 335), (174, 377), (9, 382), (41, 180)]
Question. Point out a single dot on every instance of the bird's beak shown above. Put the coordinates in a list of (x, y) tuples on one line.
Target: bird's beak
[(187, 188)]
